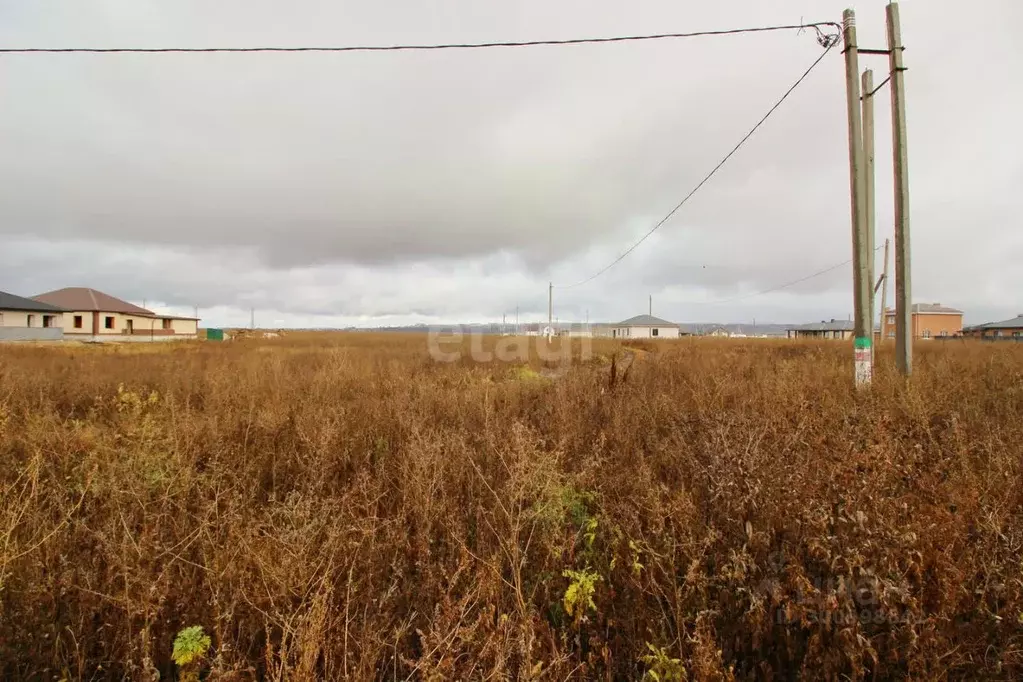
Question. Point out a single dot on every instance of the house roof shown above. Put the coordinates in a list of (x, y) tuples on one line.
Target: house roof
[(645, 321), (824, 326), (932, 309), (12, 302), (1014, 323), (90, 300)]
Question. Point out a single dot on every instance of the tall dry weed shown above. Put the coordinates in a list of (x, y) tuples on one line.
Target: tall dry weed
[(344, 507)]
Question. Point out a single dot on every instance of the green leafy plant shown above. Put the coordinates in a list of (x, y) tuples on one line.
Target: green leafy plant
[(577, 504), (637, 567), (661, 667), (190, 646), (579, 594), (590, 532)]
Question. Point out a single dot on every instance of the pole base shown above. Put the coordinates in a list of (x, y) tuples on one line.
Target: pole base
[(864, 355)]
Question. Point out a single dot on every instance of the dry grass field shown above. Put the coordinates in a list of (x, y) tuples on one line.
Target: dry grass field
[(342, 506)]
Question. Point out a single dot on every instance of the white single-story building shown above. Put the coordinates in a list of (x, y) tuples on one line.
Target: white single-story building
[(835, 329), (645, 327), (23, 319)]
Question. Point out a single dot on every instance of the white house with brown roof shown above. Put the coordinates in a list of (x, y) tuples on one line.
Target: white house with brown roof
[(92, 315)]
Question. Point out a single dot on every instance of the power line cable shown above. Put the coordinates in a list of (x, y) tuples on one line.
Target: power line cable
[(822, 37), (780, 286), (828, 44)]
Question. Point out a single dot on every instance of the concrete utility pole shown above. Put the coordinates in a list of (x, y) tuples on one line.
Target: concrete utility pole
[(651, 305), (861, 281), (884, 291), (868, 187), (903, 279), (550, 310), (516, 320), (252, 319), (196, 312)]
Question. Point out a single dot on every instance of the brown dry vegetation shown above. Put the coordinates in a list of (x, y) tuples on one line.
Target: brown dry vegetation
[(343, 507)]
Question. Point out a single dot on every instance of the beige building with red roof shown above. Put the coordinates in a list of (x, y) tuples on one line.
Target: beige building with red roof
[(93, 315)]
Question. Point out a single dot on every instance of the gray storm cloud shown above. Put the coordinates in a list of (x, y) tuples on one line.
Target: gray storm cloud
[(457, 184)]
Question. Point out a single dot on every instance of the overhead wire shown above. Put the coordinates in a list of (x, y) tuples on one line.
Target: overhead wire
[(826, 40), (828, 44), (817, 26), (781, 286)]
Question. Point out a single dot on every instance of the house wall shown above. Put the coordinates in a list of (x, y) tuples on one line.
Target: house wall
[(996, 332), (646, 332), (144, 328), (19, 319), (147, 327), (187, 327), (929, 325), (141, 325), (153, 326), (13, 318), (69, 323), (935, 323), (88, 319), (840, 334)]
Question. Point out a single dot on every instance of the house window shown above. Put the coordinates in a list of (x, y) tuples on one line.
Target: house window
[(891, 319), (78, 321), (47, 320), (1016, 335), (166, 323), (927, 333), (654, 331), (108, 322), (31, 320), (944, 332), (891, 333)]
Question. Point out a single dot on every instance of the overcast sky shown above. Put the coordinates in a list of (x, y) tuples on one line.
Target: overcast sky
[(391, 188)]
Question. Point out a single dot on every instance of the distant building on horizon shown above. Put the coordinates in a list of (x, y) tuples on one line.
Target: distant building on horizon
[(25, 319), (835, 329), (993, 331), (92, 315), (645, 327), (929, 320)]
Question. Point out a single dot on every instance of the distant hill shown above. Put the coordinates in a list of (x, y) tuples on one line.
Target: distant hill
[(759, 329), (700, 328)]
